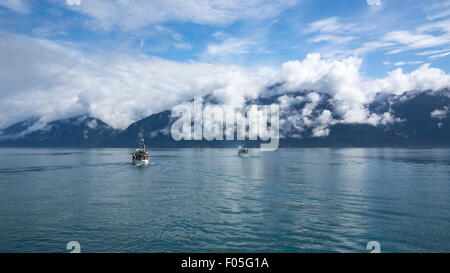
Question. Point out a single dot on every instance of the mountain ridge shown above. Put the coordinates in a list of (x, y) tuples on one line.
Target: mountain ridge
[(416, 126)]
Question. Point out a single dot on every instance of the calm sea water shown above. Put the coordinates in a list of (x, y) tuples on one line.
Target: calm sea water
[(211, 200)]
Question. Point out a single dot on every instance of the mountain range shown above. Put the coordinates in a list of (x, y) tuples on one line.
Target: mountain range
[(421, 120)]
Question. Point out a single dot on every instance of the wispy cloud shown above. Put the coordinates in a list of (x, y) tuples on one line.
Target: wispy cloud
[(331, 38), (440, 15), (228, 49), (371, 46), (407, 63), (429, 35), (415, 40), (139, 13), (367, 34), (179, 40), (373, 2), (329, 25), (438, 10), (230, 46), (441, 55), (16, 5), (73, 2), (432, 52)]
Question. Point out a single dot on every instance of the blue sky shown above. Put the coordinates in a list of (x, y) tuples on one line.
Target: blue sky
[(66, 57), (278, 33)]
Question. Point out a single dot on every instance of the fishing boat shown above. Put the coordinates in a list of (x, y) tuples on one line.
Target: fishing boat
[(141, 156), (243, 152)]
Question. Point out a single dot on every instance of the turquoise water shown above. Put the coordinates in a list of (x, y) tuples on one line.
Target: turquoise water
[(211, 200)]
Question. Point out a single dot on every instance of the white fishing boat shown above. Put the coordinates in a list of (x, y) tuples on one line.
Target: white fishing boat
[(243, 152), (141, 156)]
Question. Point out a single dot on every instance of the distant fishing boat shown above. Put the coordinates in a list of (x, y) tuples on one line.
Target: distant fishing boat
[(141, 156), (243, 152)]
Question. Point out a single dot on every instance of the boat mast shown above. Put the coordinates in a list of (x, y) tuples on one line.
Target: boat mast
[(142, 144)]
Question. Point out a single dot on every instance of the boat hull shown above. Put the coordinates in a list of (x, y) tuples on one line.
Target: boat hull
[(243, 154), (140, 162)]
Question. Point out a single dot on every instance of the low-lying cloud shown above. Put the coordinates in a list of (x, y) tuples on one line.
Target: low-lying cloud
[(52, 81)]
